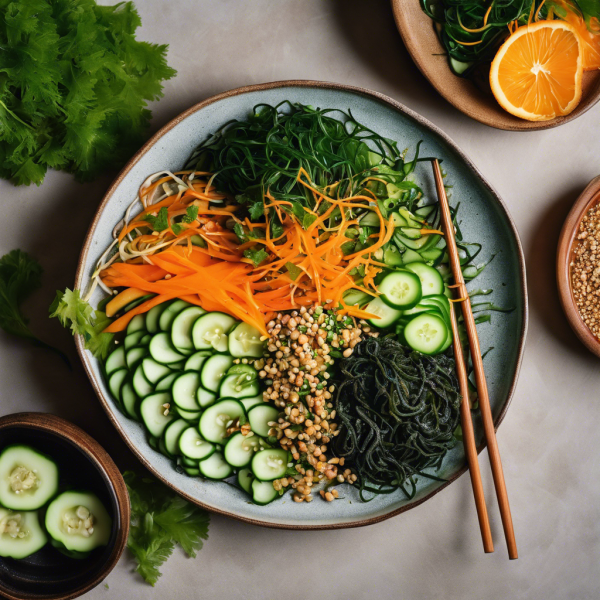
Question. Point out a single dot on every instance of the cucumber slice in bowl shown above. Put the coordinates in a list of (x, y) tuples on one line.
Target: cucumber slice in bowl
[(196, 360), (217, 418), (172, 434), (240, 449), (184, 390), (77, 523), (385, 315), (210, 331), (400, 289), (181, 330), (215, 467), (244, 479), (263, 492), (169, 313), (239, 385), (431, 280), (270, 464), (260, 416), (152, 411), (28, 479), (192, 445), (162, 349), (213, 370), (21, 534), (115, 361), (244, 340), (426, 333)]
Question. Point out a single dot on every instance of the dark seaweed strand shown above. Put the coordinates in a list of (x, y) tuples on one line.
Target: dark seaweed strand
[(398, 411), (267, 150)]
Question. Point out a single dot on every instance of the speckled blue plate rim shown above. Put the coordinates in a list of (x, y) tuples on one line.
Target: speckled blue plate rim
[(382, 98)]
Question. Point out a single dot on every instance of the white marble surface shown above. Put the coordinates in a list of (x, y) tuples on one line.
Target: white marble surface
[(551, 435)]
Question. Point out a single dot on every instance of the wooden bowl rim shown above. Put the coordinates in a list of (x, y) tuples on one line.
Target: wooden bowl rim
[(566, 247), (302, 83), (99, 456), (511, 123)]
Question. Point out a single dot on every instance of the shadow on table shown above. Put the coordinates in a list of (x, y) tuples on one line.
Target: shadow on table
[(541, 271)]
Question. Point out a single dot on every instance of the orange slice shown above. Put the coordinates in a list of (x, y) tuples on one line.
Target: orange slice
[(537, 72), (590, 41)]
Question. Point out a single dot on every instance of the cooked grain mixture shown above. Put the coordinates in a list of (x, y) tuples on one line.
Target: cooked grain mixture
[(585, 270)]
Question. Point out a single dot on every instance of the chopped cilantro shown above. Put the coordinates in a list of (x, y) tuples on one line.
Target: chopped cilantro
[(256, 255), (256, 210), (159, 222), (293, 270), (192, 214)]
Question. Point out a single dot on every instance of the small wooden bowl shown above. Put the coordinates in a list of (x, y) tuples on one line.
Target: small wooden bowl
[(566, 246), (476, 101), (48, 574)]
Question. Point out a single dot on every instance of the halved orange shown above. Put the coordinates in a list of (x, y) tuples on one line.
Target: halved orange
[(536, 74)]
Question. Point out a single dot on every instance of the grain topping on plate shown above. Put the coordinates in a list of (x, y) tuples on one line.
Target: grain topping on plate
[(585, 271), (301, 347)]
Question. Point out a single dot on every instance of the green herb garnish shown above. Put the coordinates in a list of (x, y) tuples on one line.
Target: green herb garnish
[(160, 222), (159, 520), (75, 87), (256, 255), (76, 314)]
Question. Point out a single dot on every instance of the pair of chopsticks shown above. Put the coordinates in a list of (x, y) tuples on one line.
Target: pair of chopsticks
[(482, 392)]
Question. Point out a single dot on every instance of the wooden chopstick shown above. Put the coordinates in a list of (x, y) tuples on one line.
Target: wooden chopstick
[(482, 391), (469, 439)]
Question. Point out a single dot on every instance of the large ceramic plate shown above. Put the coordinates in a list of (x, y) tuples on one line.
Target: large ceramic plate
[(484, 218), (421, 40)]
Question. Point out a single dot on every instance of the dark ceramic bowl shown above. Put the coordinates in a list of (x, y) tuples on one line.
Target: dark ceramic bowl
[(48, 574)]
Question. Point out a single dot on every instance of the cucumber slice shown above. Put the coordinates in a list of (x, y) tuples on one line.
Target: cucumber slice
[(204, 398), (241, 368), (172, 434), (400, 289), (184, 390), (196, 360), (140, 384), (240, 385), (169, 313), (431, 280), (426, 333), (133, 339), (163, 449), (28, 479), (210, 331), (260, 416), (192, 445), (385, 315), (78, 522), (356, 297), (138, 323), (145, 341), (162, 349), (215, 467), (192, 471), (154, 371), (217, 418), (166, 383), (115, 361), (181, 330), (130, 400), (22, 534), (263, 492), (269, 464), (135, 355), (152, 317), (392, 256), (115, 382), (249, 403), (191, 416), (188, 462), (240, 449), (244, 340), (410, 256), (244, 479), (152, 409), (213, 370)]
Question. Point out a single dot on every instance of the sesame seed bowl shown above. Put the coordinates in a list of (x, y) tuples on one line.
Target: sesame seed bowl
[(573, 272), (483, 215)]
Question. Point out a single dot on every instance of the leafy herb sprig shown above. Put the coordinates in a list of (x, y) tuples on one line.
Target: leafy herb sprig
[(75, 87), (160, 520)]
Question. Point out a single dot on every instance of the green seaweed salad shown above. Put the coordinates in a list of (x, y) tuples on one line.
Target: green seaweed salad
[(471, 31)]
